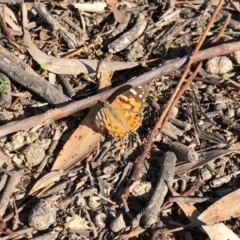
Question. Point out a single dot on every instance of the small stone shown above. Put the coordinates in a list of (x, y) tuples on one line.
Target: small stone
[(21, 56), (236, 56), (219, 65), (99, 220), (34, 154), (42, 215), (206, 174), (117, 224)]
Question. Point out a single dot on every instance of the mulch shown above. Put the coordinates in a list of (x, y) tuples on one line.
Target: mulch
[(63, 175)]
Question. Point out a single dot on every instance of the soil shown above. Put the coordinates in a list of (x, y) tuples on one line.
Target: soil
[(89, 148)]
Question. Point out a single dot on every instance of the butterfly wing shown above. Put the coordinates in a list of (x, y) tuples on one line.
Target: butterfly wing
[(124, 113), (132, 103), (112, 119)]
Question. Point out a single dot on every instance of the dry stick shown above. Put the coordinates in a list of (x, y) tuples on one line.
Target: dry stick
[(17, 61), (57, 135), (68, 37), (223, 28), (53, 115), (47, 236), (4, 26), (149, 214), (159, 125), (18, 233), (191, 200), (36, 84), (177, 98), (162, 121), (13, 181), (192, 77), (185, 87), (180, 93)]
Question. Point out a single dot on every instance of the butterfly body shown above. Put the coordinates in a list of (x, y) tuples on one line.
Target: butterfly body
[(124, 113)]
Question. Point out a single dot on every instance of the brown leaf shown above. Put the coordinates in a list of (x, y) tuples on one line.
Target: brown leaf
[(224, 209), (135, 232), (46, 181), (82, 142), (234, 83), (215, 231), (118, 15), (87, 136)]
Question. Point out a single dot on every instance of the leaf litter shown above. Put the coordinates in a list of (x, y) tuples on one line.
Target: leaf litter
[(62, 174)]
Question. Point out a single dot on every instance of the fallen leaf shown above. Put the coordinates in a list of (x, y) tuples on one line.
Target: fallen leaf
[(214, 231), (45, 181), (118, 15), (135, 232), (81, 143), (87, 136), (224, 209)]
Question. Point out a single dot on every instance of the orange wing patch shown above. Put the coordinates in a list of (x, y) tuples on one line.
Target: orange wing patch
[(124, 114)]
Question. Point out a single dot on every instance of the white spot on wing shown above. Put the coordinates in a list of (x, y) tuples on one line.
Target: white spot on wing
[(140, 95), (98, 116), (139, 86), (133, 91)]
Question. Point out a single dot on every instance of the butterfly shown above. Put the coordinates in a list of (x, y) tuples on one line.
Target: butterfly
[(123, 114)]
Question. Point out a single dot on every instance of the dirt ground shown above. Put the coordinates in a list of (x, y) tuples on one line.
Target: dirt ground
[(119, 120)]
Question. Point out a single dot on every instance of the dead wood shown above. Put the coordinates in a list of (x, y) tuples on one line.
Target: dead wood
[(149, 214), (54, 115), (36, 84), (70, 66)]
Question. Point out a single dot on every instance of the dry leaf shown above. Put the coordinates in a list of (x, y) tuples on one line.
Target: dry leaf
[(86, 137), (46, 180), (118, 15), (82, 142), (135, 232), (234, 83), (215, 232), (10, 17), (224, 209)]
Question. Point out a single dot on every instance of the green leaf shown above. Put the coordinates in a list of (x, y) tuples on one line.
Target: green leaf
[(43, 66)]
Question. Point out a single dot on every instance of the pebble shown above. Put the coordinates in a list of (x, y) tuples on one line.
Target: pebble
[(42, 215), (219, 65)]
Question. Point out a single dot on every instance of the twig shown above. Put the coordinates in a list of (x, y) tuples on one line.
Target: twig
[(18, 233), (163, 119), (206, 157), (69, 38), (191, 200), (36, 84), (68, 89), (53, 115), (47, 236), (149, 214), (222, 29), (4, 26), (90, 222), (13, 181), (51, 149)]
